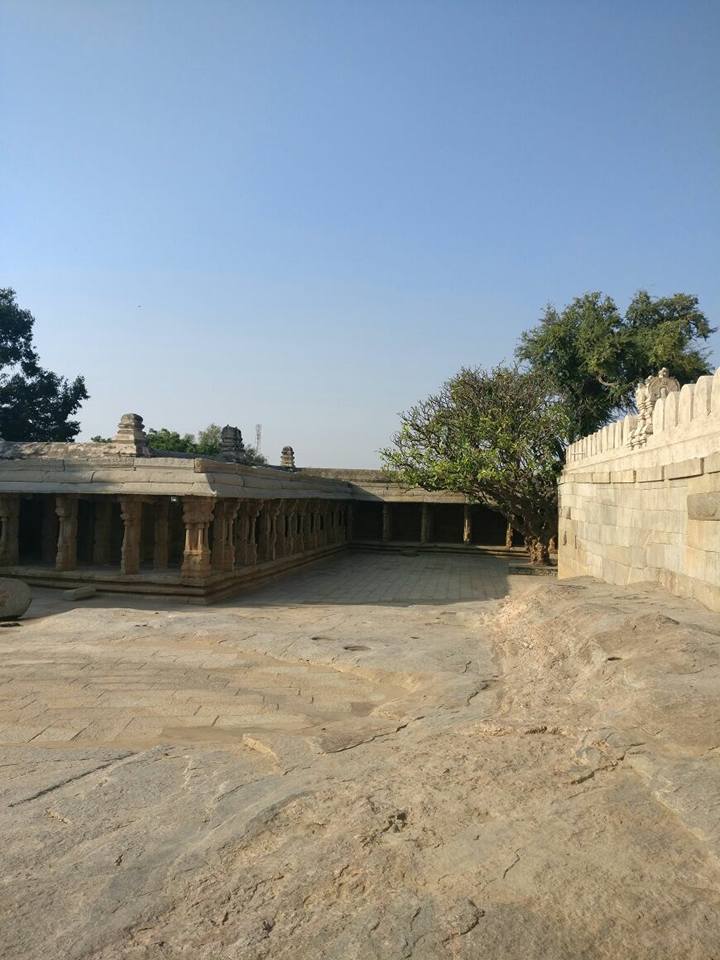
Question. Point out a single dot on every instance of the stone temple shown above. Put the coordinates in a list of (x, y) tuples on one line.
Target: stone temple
[(123, 517)]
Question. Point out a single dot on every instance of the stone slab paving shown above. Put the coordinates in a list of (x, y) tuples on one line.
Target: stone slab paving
[(114, 669), (360, 762)]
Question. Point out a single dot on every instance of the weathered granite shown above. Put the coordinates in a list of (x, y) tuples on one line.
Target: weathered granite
[(15, 598), (644, 511)]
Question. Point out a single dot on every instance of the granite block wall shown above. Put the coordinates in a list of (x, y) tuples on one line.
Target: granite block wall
[(649, 513)]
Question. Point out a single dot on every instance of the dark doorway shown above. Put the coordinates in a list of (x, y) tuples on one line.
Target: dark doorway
[(31, 528), (488, 526), (367, 520), (85, 531), (448, 522), (405, 522)]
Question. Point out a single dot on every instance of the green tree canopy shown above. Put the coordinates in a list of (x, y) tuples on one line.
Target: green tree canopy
[(498, 437), (593, 357), (208, 440), (35, 404), (171, 441), (206, 444)]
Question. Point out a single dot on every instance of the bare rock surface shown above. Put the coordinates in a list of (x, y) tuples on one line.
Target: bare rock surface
[(15, 598), (292, 777)]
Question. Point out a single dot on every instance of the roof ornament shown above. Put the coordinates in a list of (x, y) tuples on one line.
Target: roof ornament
[(647, 394), (131, 434), (287, 458), (232, 447)]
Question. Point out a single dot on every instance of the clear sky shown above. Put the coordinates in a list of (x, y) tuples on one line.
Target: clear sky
[(309, 214)]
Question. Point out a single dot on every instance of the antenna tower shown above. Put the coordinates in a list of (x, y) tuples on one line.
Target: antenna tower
[(258, 436)]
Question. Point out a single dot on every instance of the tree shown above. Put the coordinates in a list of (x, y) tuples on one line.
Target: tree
[(252, 457), (171, 441), (208, 440), (207, 443), (593, 357), (35, 404), (498, 437)]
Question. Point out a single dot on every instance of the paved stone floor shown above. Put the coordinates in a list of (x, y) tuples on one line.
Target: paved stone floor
[(373, 759), (123, 670), (376, 577)]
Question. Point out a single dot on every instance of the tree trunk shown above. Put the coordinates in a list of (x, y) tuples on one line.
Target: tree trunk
[(539, 552)]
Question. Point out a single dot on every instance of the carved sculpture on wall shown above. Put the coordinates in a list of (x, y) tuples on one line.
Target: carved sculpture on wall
[(647, 394)]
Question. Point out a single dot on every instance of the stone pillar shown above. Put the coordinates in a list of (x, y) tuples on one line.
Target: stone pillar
[(386, 522), (281, 548), (271, 529), (66, 508), (131, 513), (253, 509), (102, 523), (242, 524), (223, 549), (197, 516), (467, 523), (9, 529), (266, 532), (161, 533), (349, 510), (321, 524), (49, 531), (317, 533), (425, 523), (301, 516)]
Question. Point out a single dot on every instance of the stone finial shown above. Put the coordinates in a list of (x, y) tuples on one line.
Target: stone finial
[(647, 394), (131, 434), (232, 447), (287, 458)]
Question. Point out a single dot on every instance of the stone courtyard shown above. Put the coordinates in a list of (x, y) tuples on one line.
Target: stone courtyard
[(382, 756)]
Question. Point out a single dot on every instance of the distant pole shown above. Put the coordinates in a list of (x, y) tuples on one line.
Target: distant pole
[(258, 436)]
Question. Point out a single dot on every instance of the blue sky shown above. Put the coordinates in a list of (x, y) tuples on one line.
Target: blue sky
[(309, 214)]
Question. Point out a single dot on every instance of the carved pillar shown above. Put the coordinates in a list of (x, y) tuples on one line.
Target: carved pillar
[(253, 509), (425, 523), (49, 530), (317, 523), (161, 532), (467, 523), (197, 516), (281, 548), (66, 508), (292, 527), (9, 529), (322, 524), (509, 535), (386, 522), (271, 528), (312, 526), (301, 517), (102, 523), (223, 550), (131, 513), (241, 531)]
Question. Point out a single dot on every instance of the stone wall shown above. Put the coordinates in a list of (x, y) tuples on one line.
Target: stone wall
[(649, 512)]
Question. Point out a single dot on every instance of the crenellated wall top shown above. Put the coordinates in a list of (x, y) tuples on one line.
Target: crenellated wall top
[(667, 415)]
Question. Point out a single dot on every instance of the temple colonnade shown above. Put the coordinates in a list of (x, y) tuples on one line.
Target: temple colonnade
[(201, 536)]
